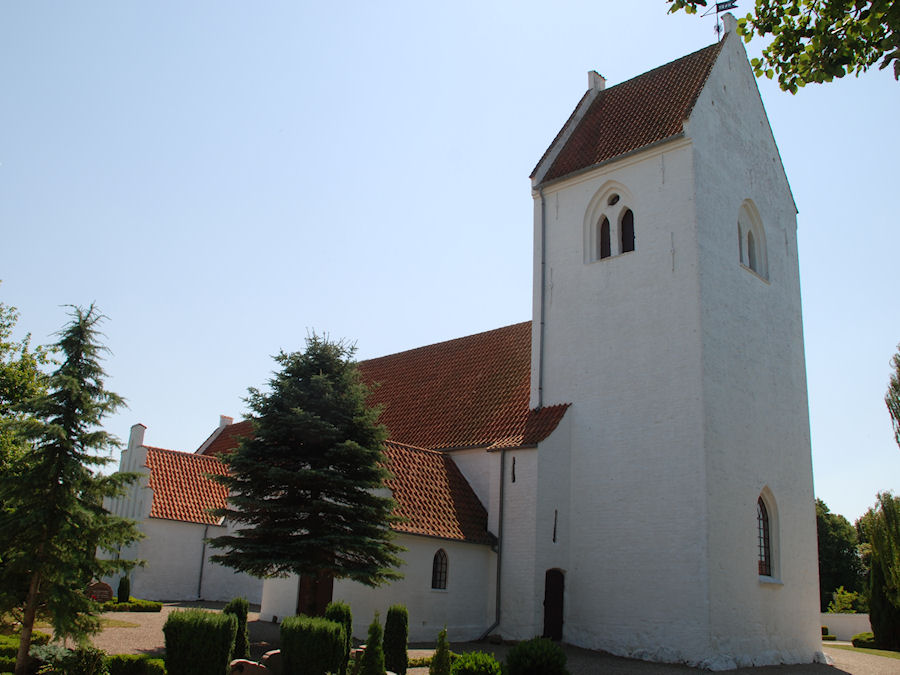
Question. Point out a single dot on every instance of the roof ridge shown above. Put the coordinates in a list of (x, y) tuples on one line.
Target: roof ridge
[(444, 342), (715, 46)]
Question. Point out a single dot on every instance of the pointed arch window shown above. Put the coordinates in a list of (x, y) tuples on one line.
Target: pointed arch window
[(764, 539), (609, 225), (439, 570), (752, 252)]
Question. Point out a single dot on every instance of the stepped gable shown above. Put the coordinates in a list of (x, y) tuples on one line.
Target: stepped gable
[(465, 393), (635, 114), (433, 498), (181, 488)]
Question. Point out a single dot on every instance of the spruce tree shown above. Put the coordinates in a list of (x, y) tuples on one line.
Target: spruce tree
[(54, 523), (306, 486)]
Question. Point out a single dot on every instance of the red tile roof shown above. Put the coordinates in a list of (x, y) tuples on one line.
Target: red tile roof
[(181, 489), (469, 392), (228, 438), (433, 497), (635, 114)]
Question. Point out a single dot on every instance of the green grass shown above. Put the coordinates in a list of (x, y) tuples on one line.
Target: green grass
[(866, 650)]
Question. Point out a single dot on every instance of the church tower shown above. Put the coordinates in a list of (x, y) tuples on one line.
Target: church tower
[(667, 312)]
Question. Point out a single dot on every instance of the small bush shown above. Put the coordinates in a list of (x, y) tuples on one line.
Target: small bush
[(133, 605), (396, 633), (372, 662), (311, 645), (340, 612), (124, 590), (537, 656), (83, 661), (440, 662), (198, 642), (824, 630), (864, 640), (239, 607), (135, 664), (476, 663), (829, 638)]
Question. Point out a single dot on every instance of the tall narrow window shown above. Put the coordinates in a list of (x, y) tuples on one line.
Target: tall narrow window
[(603, 242), (439, 570), (627, 231), (751, 253), (764, 539), (740, 243)]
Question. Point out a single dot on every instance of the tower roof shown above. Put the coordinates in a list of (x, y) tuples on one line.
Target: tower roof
[(642, 111)]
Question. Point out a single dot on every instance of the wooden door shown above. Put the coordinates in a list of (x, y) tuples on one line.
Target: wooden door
[(554, 587)]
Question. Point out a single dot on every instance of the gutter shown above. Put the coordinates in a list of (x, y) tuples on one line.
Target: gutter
[(496, 623), (540, 387)]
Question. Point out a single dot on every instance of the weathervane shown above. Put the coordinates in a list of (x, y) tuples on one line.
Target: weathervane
[(721, 7)]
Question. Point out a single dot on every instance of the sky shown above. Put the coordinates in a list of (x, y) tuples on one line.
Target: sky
[(224, 178)]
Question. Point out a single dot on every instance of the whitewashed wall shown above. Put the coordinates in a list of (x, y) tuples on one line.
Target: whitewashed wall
[(845, 626), (466, 608), (756, 423)]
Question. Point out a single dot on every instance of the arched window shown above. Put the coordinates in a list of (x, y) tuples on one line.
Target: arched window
[(752, 240), (627, 231), (609, 224), (764, 537), (604, 251), (439, 570)]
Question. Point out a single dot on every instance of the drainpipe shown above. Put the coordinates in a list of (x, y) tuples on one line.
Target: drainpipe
[(540, 391), (499, 544), (202, 559)]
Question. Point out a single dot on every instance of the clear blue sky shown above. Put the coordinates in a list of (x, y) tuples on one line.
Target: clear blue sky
[(223, 177)]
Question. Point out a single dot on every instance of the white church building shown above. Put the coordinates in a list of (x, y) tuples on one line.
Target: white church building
[(630, 470)]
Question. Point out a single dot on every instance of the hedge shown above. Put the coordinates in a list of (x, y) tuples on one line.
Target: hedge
[(312, 646), (133, 605), (475, 663), (537, 656), (198, 642), (239, 607), (340, 612), (396, 633), (135, 664), (864, 640)]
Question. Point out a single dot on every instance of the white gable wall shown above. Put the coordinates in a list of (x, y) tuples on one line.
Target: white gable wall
[(754, 381), (621, 343)]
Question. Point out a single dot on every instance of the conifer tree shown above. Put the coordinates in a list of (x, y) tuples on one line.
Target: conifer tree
[(54, 522), (306, 485)]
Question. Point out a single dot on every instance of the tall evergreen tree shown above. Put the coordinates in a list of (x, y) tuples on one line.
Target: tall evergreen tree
[(54, 522), (307, 483)]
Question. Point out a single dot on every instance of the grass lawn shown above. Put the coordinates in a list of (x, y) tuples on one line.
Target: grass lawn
[(866, 650), (117, 623)]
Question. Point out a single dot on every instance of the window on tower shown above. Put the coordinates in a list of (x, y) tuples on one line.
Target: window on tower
[(764, 543), (627, 230), (609, 225), (767, 546), (752, 252), (604, 251)]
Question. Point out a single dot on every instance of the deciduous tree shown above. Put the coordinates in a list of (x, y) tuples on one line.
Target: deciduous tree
[(54, 522), (892, 397), (839, 562), (307, 485), (819, 40)]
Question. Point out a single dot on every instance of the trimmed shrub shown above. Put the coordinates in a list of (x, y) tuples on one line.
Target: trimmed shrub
[(124, 591), (440, 662), (198, 642), (61, 661), (824, 630), (476, 663), (866, 639), (239, 607), (396, 634), (135, 664), (373, 658), (537, 656), (829, 638), (133, 605), (340, 612), (311, 645)]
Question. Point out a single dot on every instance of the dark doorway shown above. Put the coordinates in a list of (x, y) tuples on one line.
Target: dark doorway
[(314, 594), (554, 585)]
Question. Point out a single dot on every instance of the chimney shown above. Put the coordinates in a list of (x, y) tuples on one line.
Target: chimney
[(136, 438), (596, 81), (225, 420)]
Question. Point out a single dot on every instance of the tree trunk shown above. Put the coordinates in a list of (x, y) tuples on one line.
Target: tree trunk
[(28, 623)]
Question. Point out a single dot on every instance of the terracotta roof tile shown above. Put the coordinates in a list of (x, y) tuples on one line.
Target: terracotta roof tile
[(635, 114), (469, 392), (181, 488), (433, 497), (229, 438)]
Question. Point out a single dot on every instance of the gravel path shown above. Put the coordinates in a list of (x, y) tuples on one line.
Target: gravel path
[(147, 638)]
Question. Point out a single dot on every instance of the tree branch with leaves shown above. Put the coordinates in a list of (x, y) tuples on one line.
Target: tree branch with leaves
[(818, 40)]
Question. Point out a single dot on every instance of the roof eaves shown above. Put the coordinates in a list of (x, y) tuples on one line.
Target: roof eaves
[(489, 540), (617, 158)]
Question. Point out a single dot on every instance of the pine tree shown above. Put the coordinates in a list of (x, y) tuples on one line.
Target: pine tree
[(54, 522), (306, 485)]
